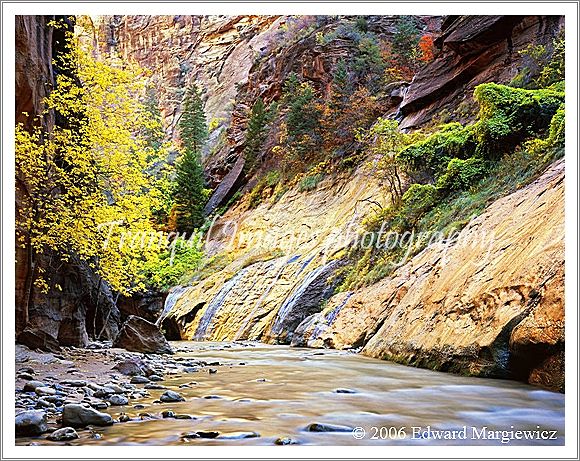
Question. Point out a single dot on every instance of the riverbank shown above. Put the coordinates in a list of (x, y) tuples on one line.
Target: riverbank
[(255, 394)]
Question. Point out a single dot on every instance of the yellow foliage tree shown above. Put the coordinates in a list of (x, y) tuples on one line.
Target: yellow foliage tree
[(87, 193)]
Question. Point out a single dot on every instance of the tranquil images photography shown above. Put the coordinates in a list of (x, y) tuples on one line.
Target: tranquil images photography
[(303, 230)]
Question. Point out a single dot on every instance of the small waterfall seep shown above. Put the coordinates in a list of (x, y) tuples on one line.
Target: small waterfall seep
[(215, 305), (300, 303), (322, 324)]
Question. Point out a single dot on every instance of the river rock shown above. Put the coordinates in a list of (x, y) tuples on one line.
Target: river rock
[(345, 391), (139, 335), (133, 367), (321, 427), (171, 396), (155, 378), (76, 415), (118, 399), (43, 390), (63, 434), (31, 422), (139, 380), (285, 441), (238, 435), (31, 386)]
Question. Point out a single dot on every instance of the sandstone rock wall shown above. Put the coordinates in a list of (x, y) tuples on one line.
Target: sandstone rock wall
[(473, 50), (278, 260), (489, 304)]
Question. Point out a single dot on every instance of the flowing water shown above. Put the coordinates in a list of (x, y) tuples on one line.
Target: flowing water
[(278, 391)]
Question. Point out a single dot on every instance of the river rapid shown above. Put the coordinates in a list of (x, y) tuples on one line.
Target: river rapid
[(261, 393)]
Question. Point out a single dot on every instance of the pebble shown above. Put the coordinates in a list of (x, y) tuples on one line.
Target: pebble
[(168, 414), (63, 434), (139, 406), (171, 396), (212, 371), (212, 397), (139, 380), (154, 386), (345, 391), (75, 383), (155, 378), (285, 441), (123, 418)]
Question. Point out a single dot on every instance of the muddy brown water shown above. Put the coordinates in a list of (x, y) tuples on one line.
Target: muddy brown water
[(280, 391)]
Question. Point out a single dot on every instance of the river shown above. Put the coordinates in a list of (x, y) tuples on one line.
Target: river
[(278, 391)]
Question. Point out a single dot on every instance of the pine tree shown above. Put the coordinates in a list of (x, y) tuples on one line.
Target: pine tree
[(189, 191), (255, 134), (341, 86)]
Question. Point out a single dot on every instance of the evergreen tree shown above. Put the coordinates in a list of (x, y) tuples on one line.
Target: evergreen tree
[(255, 134), (189, 191), (341, 86)]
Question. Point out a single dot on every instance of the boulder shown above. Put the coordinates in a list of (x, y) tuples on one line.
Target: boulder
[(63, 434), (76, 415), (37, 339), (171, 396), (31, 422), (139, 335)]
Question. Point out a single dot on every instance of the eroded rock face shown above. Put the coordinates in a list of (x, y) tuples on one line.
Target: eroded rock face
[(139, 335), (490, 304), (46, 320), (473, 50), (283, 256)]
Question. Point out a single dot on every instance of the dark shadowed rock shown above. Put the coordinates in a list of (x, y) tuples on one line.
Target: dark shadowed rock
[(76, 415), (139, 335), (31, 423), (319, 427), (38, 339), (227, 187)]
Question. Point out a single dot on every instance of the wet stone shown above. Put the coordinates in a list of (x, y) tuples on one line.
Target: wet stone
[(345, 391), (76, 415), (118, 399), (285, 441), (63, 434), (139, 380), (212, 371), (319, 427), (31, 423), (171, 396)]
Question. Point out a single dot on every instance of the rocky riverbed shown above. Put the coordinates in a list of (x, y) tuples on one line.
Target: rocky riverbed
[(254, 394)]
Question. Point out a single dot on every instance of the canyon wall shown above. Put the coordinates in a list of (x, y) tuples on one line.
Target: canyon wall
[(442, 310), (84, 305)]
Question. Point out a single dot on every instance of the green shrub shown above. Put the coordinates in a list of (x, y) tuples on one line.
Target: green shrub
[(418, 200), (553, 71), (430, 156), (461, 174), (508, 116), (272, 178), (309, 182), (175, 265)]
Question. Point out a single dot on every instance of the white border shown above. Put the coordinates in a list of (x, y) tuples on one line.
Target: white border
[(139, 452)]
